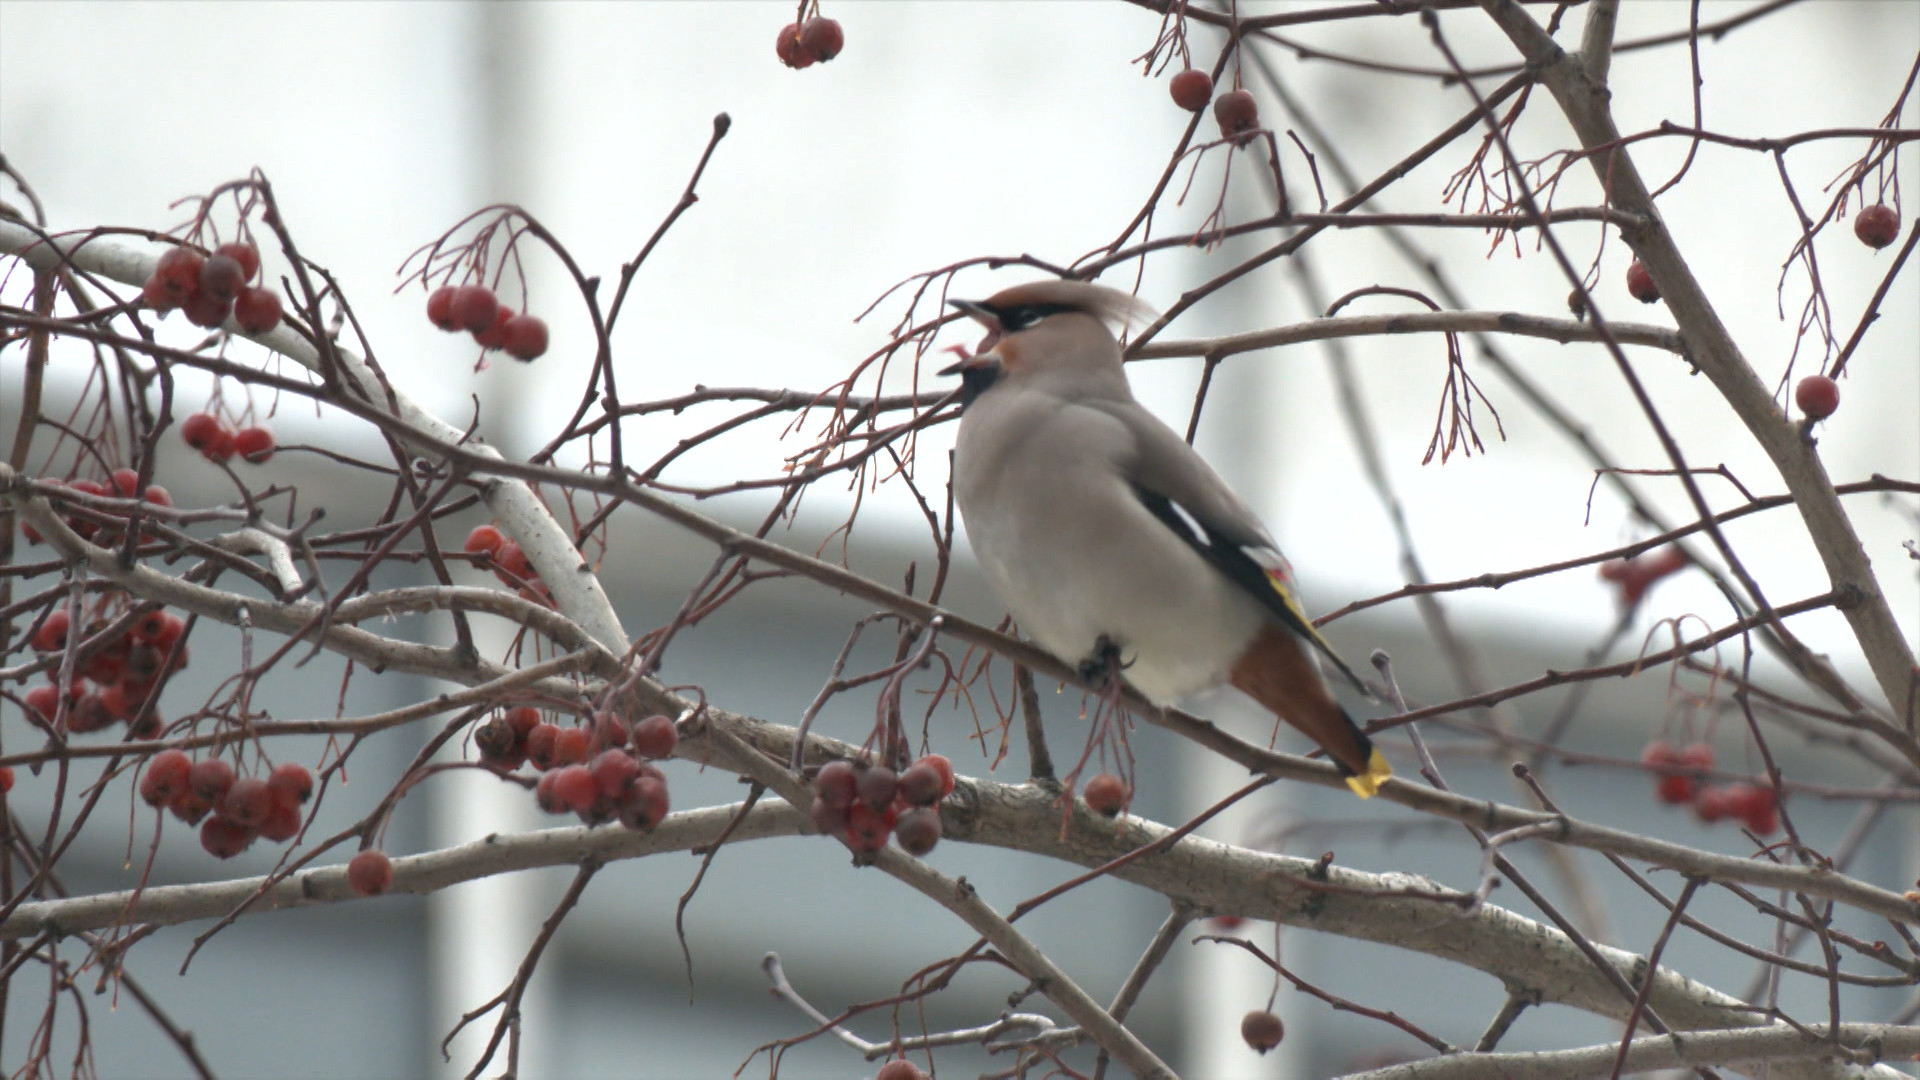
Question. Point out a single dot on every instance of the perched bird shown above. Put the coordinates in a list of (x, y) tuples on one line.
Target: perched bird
[(1114, 544)]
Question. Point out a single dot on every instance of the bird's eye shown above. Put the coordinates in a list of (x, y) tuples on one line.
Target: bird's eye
[(1025, 316)]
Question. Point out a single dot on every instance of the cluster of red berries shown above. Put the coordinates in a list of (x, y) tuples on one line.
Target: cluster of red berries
[(242, 808), (1681, 783), (1107, 795), (1262, 1030), (601, 772), (863, 804), (1636, 575), (125, 484), (211, 288), (113, 682), (494, 325), (510, 564), (815, 41), (218, 442), (1817, 396), (1235, 111), (1877, 226)]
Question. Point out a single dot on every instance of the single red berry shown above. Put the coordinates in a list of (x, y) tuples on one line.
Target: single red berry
[(836, 784), (613, 770), (440, 308), (606, 731), (867, 828), (6, 779), (828, 818), (655, 737), (877, 785), (158, 495), (44, 701), (117, 702), (256, 310), (1817, 396), (221, 278), (1237, 114), (175, 278), (1676, 790), (206, 310), (540, 745), (126, 483), (282, 823), (1755, 806), (52, 635), (645, 804), (165, 632), (570, 746), (1640, 284), (1710, 805), (1262, 1030), (189, 807), (920, 784), (1659, 754), (576, 788), (546, 796), (1226, 924), (494, 337), (1876, 226), (244, 254), (224, 839), (211, 778), (522, 718), (524, 336), (511, 564), (201, 430), (473, 307), (918, 830), (166, 777), (483, 539), (247, 802), (822, 39), (900, 1069), (1106, 794), (222, 447), (254, 444), (370, 873), (1191, 89), (787, 48), (149, 626), (290, 783)]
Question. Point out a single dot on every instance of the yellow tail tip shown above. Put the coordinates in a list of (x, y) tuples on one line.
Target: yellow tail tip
[(1367, 783)]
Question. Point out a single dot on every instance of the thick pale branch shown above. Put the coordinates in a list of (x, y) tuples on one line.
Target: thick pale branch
[(1776, 1043)]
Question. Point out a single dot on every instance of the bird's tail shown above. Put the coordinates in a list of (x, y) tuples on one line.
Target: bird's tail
[(1278, 672)]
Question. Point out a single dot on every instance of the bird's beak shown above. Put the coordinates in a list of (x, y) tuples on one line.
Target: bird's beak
[(978, 312), (982, 355)]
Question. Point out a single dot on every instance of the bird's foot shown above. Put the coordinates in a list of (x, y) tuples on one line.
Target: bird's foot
[(1102, 667)]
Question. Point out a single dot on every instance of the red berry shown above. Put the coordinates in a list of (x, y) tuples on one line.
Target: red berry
[(918, 830), (254, 444), (570, 746), (1237, 115), (1711, 804), (201, 430), (158, 495), (1755, 806), (1697, 757), (645, 803), (1227, 924), (829, 819), (161, 633), (522, 718), (370, 873), (282, 823), (45, 701), (117, 702), (1876, 226), (224, 839), (256, 310), (440, 308), (1817, 396), (1640, 284), (576, 788), (52, 635), (89, 714), (655, 737), (1106, 794), (900, 1069), (483, 538), (6, 779), (613, 770), (1658, 754), (495, 335), (207, 310), (524, 336), (822, 39), (511, 564), (189, 807), (540, 745), (175, 279), (836, 784), (1262, 1030), (877, 786), (1191, 89), (920, 784), (290, 783), (940, 764), (1676, 790), (166, 777), (247, 802), (546, 796), (221, 278), (126, 483), (473, 307), (867, 828), (606, 731), (211, 778), (787, 48), (245, 255)]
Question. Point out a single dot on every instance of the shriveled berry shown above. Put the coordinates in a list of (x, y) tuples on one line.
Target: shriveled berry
[(211, 778), (787, 47), (499, 745), (291, 784), (245, 255), (223, 838), (1106, 794), (89, 714), (877, 786), (918, 830), (1876, 226), (1191, 89), (822, 39), (257, 310), (166, 776), (655, 737), (1262, 1030), (836, 784), (247, 802), (1237, 114), (254, 444), (370, 873), (1640, 284), (1817, 396), (524, 337)]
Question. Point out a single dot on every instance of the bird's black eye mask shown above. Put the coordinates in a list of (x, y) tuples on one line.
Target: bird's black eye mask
[(1023, 316)]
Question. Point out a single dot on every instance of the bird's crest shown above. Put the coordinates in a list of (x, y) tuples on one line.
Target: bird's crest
[(1119, 310)]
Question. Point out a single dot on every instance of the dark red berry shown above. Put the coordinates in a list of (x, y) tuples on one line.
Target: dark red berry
[(247, 802), (900, 1069), (613, 770), (6, 779), (867, 828), (787, 47), (290, 783), (1876, 226), (440, 308), (44, 701), (829, 819), (920, 784), (211, 778), (836, 784), (1640, 284), (495, 335), (166, 777), (256, 310), (524, 337), (1191, 89), (655, 737), (282, 823), (511, 564), (201, 430), (1817, 396), (645, 804), (877, 786), (176, 278), (540, 745), (1237, 115), (918, 830), (370, 873), (189, 807), (254, 444), (1712, 804), (546, 796), (576, 788), (245, 255), (822, 39), (522, 719), (224, 839), (207, 310), (1676, 790), (473, 307), (221, 278), (1262, 1030), (1106, 794)]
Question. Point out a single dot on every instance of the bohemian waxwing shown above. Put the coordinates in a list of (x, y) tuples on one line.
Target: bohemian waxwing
[(1110, 540)]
